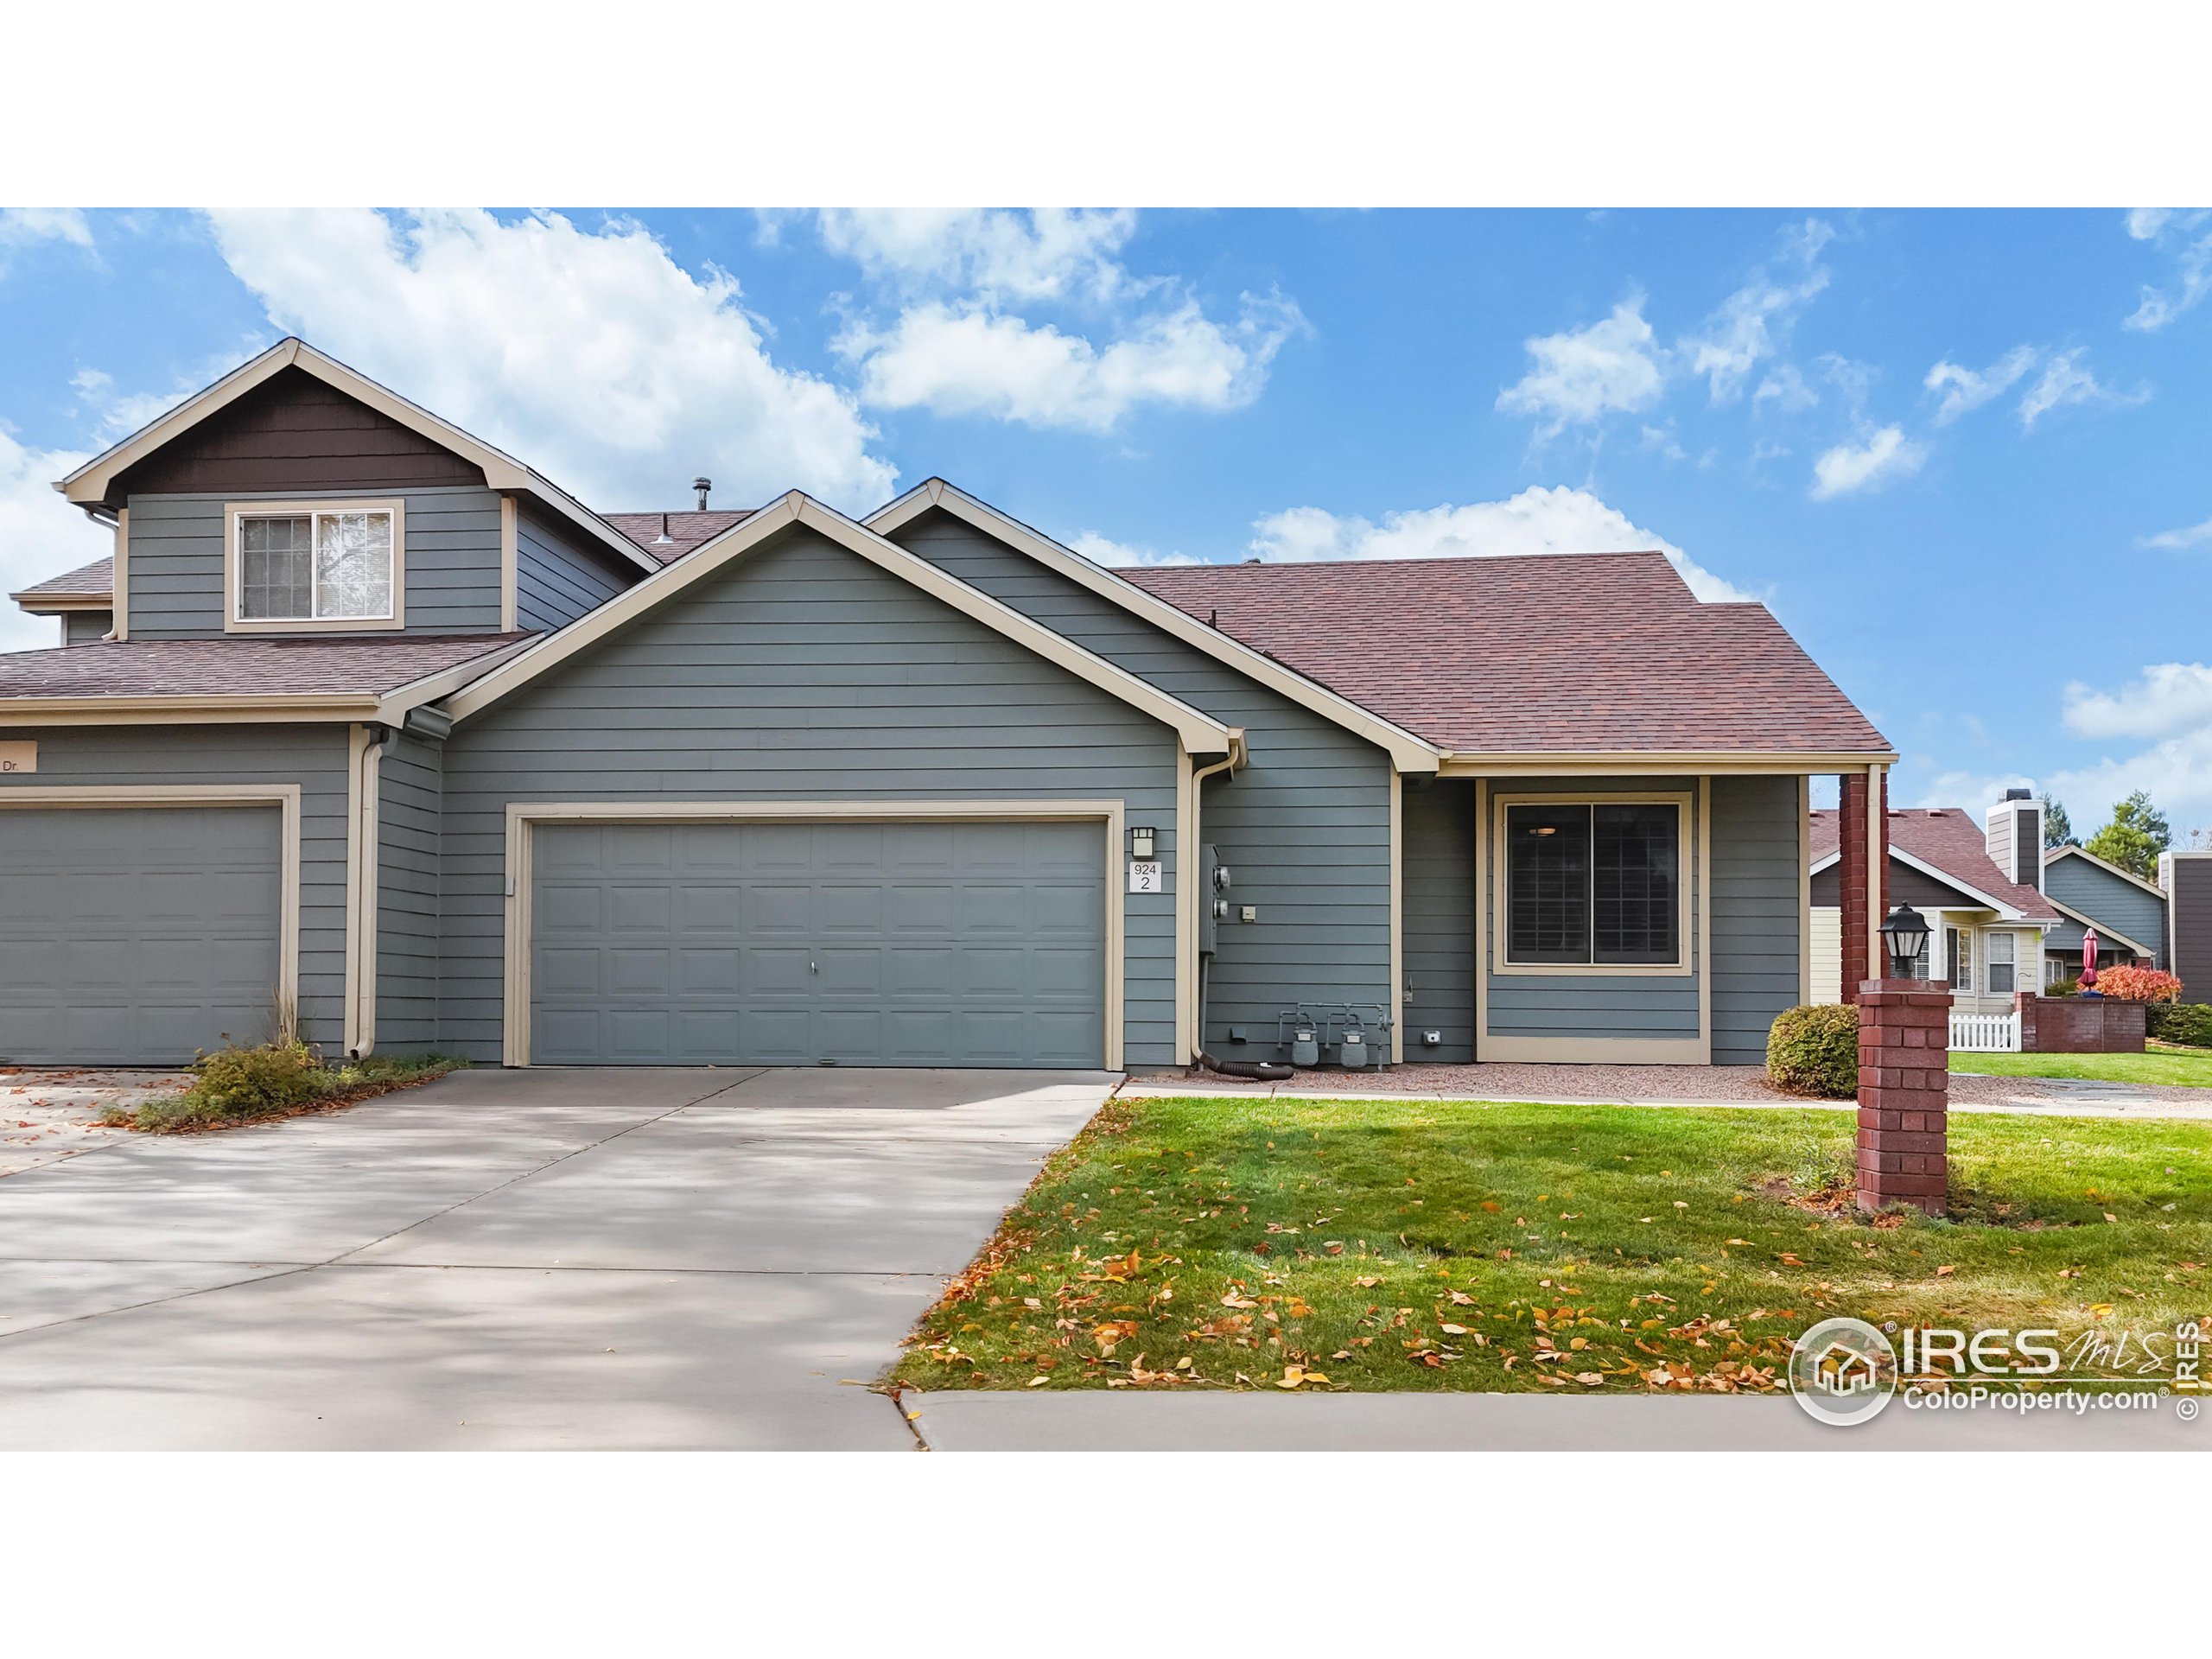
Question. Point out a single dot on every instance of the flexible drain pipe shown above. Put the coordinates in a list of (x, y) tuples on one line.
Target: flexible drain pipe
[(1261, 1071)]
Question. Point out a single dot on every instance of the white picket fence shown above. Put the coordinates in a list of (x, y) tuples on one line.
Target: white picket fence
[(1986, 1033)]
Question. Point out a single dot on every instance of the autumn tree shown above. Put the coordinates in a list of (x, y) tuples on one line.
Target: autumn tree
[(2135, 838)]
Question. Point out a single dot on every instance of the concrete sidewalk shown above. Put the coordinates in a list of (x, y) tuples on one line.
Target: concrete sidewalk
[(1125, 1421)]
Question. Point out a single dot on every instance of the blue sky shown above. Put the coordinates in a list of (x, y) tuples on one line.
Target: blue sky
[(1957, 453)]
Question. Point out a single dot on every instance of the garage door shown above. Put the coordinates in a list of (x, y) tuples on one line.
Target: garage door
[(937, 943), (135, 936)]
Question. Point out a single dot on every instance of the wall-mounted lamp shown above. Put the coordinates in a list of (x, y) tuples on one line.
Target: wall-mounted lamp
[(1140, 841)]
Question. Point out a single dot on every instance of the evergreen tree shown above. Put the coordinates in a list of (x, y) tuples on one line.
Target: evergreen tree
[(2135, 838), (2056, 831)]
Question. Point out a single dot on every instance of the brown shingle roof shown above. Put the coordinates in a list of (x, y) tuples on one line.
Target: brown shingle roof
[(686, 531), (93, 581), (1945, 839), (242, 668), (1587, 652)]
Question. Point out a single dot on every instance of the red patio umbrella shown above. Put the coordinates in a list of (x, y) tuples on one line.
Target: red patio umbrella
[(2088, 958)]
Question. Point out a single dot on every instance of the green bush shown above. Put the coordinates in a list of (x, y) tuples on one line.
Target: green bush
[(2190, 1023), (1814, 1050), (2062, 987), (248, 1082)]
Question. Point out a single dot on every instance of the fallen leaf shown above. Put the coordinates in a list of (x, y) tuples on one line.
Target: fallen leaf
[(1945, 1272)]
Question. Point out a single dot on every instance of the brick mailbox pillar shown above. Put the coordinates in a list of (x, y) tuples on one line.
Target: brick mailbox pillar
[(1904, 1040)]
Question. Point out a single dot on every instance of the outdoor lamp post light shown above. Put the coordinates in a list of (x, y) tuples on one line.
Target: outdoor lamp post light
[(1906, 930)]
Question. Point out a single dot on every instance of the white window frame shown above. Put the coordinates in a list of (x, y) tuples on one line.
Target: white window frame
[(234, 514), (1690, 876), (1990, 965), (1965, 935)]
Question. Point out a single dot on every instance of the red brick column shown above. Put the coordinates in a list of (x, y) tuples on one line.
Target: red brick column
[(2024, 1005), (1864, 875), (1905, 1081)]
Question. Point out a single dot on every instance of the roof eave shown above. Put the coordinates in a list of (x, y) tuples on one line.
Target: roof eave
[(1472, 763), (126, 711)]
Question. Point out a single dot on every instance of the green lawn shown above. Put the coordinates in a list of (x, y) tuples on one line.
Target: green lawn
[(1419, 1244), (2190, 1068)]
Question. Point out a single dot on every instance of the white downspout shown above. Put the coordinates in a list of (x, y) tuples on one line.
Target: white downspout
[(1232, 762)]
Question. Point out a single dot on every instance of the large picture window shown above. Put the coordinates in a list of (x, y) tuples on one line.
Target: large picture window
[(335, 567), (1593, 884)]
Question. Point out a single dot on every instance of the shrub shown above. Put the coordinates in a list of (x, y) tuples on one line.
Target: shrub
[(2062, 987), (2139, 985), (2188, 1023), (1814, 1050), (268, 1077)]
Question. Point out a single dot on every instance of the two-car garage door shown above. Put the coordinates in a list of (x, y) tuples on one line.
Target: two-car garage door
[(939, 943), (136, 935)]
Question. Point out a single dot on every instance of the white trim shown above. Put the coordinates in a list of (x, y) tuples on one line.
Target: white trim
[(1483, 905), (1825, 859), (1805, 889), (1649, 763), (91, 483), (119, 578), (2069, 851), (510, 564), (1878, 834), (1185, 878), (2004, 913), (1407, 752), (1397, 917), (284, 796), (314, 509), (524, 816), (1687, 915), (364, 790), (1701, 962), (1199, 733), (2101, 930)]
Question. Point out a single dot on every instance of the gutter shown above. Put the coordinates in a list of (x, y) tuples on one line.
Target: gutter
[(363, 787)]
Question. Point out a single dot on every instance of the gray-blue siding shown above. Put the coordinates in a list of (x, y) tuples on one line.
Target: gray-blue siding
[(313, 757), (2104, 897), (1754, 957), (174, 562), (1305, 828), (559, 576), (1439, 918), (409, 788), (86, 627), (803, 672)]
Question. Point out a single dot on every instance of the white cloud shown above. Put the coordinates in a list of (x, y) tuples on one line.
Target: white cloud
[(2176, 773), (1538, 520), (1100, 549), (590, 354), (1049, 254), (967, 360), (22, 227), (1613, 365), (2192, 536), (1880, 458), (1785, 387), (2165, 697), (1971, 790), (2165, 226), (41, 536), (2064, 381), (1753, 323), (1965, 390)]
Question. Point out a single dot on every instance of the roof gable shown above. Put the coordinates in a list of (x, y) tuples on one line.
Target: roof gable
[(1199, 733), (2111, 869), (96, 483), (1407, 752), (1945, 844)]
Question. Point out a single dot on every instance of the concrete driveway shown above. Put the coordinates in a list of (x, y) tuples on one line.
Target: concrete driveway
[(642, 1259)]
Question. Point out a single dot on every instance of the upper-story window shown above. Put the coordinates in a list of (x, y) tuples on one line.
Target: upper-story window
[(304, 565)]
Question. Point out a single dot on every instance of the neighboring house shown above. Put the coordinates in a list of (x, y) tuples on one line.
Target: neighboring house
[(394, 732), (82, 599), (2185, 878), (2127, 913), (1986, 925)]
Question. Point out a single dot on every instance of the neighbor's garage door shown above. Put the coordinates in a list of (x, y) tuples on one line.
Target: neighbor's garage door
[(135, 936), (933, 944)]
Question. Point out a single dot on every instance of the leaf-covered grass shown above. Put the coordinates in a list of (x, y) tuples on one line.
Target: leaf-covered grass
[(319, 1089), (2188, 1068), (1419, 1244)]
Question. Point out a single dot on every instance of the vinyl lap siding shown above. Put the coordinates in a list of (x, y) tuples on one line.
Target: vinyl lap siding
[(313, 757), (410, 786), (1304, 828), (174, 562), (557, 578), (801, 673), (86, 627), (1439, 918), (1755, 913), (2104, 897)]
